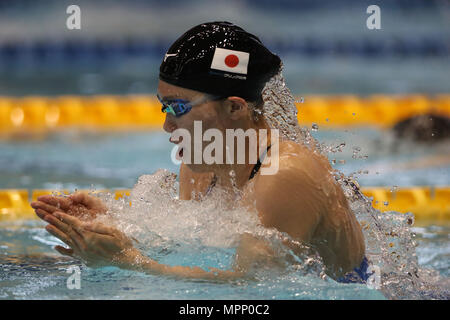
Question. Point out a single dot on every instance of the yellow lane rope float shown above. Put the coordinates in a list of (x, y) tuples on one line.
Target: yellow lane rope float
[(426, 203), (35, 113)]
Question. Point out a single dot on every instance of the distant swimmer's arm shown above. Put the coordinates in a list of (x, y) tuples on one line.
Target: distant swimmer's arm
[(100, 245)]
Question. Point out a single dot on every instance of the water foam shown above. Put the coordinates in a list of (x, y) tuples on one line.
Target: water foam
[(161, 223), (389, 240)]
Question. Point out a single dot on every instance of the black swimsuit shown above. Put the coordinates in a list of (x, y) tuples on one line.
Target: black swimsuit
[(258, 164)]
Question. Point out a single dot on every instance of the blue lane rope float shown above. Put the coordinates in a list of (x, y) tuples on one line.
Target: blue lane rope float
[(101, 51)]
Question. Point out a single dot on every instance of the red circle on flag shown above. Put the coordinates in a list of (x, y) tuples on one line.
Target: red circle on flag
[(231, 60)]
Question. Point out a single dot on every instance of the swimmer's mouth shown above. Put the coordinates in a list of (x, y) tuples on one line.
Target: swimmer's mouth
[(179, 154), (180, 149)]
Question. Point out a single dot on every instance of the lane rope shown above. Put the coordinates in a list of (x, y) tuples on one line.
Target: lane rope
[(426, 203), (42, 114)]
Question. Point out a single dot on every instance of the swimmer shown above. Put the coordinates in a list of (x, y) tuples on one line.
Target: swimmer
[(426, 128), (215, 73)]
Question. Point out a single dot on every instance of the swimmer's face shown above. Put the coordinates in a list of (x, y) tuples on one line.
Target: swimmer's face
[(229, 113)]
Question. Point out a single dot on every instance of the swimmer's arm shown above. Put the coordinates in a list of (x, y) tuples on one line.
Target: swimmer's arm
[(136, 261), (249, 253), (101, 245)]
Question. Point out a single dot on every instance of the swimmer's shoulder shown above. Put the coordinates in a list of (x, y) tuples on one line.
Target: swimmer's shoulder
[(297, 168), (291, 199), (297, 160), (301, 169)]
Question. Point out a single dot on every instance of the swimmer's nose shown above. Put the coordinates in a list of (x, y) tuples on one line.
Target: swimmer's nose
[(169, 125)]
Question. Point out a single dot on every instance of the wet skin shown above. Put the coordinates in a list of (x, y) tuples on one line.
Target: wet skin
[(302, 199)]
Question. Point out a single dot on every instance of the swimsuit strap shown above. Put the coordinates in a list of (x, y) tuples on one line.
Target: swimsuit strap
[(258, 164), (253, 173), (212, 185)]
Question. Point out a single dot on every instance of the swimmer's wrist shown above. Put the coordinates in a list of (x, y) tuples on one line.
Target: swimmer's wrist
[(131, 259)]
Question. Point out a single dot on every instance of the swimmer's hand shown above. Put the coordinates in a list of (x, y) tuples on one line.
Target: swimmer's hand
[(99, 245), (95, 243), (79, 205)]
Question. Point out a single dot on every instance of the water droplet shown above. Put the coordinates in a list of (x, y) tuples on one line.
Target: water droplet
[(386, 203), (338, 148), (315, 127)]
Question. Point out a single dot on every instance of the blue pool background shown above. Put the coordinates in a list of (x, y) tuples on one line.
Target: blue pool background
[(71, 159), (326, 48)]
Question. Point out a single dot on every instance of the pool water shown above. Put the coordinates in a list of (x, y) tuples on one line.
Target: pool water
[(31, 269), (115, 160)]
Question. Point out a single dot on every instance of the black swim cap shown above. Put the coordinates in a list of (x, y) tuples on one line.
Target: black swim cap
[(220, 58)]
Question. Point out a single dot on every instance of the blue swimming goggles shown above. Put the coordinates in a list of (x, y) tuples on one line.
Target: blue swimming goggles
[(179, 107)]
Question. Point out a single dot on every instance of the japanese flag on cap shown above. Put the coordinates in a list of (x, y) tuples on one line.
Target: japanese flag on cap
[(230, 60)]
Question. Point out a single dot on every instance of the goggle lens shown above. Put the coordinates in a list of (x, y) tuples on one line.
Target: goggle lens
[(176, 107)]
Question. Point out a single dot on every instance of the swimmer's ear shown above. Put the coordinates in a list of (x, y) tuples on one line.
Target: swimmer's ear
[(236, 107)]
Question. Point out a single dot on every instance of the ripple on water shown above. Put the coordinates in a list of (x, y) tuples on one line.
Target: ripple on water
[(206, 234)]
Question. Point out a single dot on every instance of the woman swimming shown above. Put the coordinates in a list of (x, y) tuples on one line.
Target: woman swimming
[(213, 75)]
